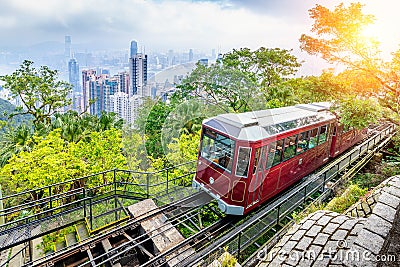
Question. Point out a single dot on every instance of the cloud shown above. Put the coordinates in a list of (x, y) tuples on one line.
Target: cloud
[(175, 24), (163, 24)]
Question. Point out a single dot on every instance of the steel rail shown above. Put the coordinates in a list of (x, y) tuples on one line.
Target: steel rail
[(101, 236)]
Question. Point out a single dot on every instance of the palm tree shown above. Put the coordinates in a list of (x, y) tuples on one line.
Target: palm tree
[(15, 141), (110, 120), (71, 126)]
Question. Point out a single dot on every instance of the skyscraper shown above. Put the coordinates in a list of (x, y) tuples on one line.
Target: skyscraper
[(133, 49), (137, 71), (67, 51), (73, 74), (87, 77), (190, 55)]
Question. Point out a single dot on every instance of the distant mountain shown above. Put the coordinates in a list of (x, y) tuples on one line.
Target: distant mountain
[(52, 47)]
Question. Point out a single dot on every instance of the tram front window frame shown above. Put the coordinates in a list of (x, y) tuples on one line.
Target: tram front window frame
[(218, 149)]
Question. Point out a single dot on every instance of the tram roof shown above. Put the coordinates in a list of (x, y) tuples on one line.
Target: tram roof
[(256, 125)]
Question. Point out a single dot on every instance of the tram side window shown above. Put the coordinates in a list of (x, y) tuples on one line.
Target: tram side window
[(323, 132), (256, 159), (243, 161), (313, 138), (271, 154), (218, 149), (274, 153), (289, 147), (302, 142)]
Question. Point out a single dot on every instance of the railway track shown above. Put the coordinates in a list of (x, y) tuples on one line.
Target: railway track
[(122, 236), (123, 244)]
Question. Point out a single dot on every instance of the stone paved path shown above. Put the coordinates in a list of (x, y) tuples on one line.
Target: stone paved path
[(326, 238)]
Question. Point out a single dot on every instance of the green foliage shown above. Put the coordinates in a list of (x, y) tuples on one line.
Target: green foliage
[(326, 87), (150, 121), (184, 149), (185, 119), (49, 241), (243, 80), (358, 113), (341, 203), (394, 146), (102, 151), (299, 215), (227, 260), (8, 108), (338, 38), (134, 149), (52, 160), (74, 127), (15, 140), (39, 90)]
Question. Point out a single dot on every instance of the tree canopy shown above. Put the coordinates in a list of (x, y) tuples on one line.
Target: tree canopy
[(338, 38), (242, 80), (41, 94), (52, 160)]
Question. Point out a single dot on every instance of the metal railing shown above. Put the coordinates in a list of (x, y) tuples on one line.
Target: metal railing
[(39, 211)]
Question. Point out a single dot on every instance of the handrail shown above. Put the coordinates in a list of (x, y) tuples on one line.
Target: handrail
[(10, 259)]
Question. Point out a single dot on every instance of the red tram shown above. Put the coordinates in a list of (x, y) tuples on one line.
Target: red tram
[(245, 159)]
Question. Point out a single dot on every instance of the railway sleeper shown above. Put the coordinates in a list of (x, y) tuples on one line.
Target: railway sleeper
[(142, 248)]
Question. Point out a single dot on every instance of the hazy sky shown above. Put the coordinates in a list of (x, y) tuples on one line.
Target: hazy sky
[(176, 24)]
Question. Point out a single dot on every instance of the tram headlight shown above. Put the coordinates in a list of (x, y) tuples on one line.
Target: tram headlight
[(222, 206)]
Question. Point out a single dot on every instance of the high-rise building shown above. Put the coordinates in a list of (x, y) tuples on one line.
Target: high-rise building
[(123, 85), (190, 55), (133, 49), (73, 74), (119, 104), (137, 71), (67, 51), (87, 77), (98, 90)]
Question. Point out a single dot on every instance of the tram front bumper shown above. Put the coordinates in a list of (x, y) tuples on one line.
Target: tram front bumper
[(222, 205)]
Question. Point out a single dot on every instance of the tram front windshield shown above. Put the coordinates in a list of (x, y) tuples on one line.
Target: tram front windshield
[(217, 148)]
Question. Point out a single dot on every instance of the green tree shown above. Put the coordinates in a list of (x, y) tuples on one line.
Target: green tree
[(134, 149), (101, 151), (184, 149), (14, 141), (338, 38), (242, 80), (185, 118), (40, 92), (50, 161), (150, 121)]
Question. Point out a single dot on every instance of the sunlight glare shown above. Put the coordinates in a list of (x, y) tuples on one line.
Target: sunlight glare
[(371, 31)]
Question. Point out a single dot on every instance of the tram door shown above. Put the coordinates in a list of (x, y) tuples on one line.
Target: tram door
[(259, 173)]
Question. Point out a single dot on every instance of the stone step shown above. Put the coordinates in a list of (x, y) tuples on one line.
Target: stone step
[(60, 246), (82, 231), (70, 239)]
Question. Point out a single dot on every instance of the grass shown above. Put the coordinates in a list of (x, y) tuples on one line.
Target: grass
[(351, 195)]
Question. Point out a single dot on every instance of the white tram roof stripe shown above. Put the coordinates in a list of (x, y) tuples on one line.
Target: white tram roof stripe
[(260, 124)]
